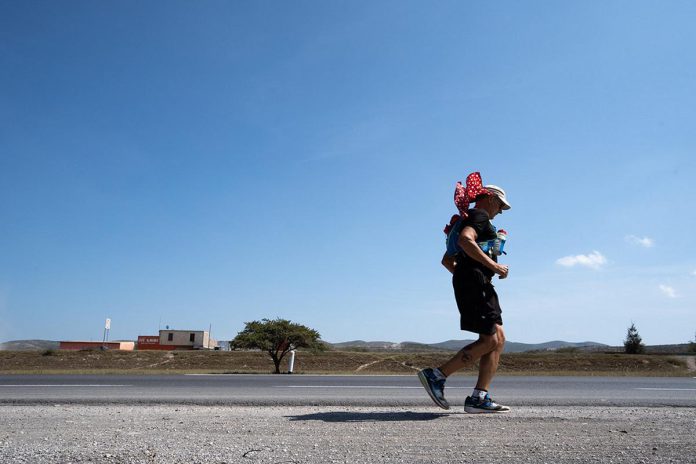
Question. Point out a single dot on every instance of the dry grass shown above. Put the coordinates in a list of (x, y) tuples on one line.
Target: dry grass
[(330, 362)]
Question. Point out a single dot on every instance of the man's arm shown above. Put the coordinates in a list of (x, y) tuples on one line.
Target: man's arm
[(448, 262), (467, 242)]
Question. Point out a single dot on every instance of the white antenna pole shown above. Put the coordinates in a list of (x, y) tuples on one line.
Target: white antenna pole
[(107, 327)]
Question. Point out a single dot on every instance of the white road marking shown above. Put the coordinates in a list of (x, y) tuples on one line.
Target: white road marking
[(306, 376), (385, 387), (667, 389), (72, 385)]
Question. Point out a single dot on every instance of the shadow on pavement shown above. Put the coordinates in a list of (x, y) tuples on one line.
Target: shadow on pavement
[(368, 416)]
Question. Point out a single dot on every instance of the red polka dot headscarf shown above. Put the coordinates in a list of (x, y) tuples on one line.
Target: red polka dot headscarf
[(464, 196)]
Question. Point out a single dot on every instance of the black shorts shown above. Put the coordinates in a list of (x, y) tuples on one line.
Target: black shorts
[(477, 301)]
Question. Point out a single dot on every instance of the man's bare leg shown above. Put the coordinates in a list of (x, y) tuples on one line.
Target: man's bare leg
[(489, 362), (470, 353)]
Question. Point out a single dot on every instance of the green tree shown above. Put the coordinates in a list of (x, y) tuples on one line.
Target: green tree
[(277, 338), (633, 343), (692, 345)]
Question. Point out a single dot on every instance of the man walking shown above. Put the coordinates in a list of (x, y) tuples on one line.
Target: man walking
[(473, 265)]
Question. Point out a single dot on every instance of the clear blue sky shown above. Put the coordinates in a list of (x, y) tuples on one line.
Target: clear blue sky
[(219, 162)]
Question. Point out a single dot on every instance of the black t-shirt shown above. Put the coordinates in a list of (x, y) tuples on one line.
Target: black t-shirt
[(478, 220)]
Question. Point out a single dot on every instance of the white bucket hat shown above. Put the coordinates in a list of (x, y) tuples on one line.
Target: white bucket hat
[(500, 193)]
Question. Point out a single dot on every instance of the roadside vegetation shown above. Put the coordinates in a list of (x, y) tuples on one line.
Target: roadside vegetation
[(633, 343), (562, 362), (277, 337)]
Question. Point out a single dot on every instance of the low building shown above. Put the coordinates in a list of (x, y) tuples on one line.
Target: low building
[(81, 345), (224, 345), (177, 340), (152, 342)]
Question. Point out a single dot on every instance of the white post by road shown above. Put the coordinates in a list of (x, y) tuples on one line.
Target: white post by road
[(291, 362), (107, 327)]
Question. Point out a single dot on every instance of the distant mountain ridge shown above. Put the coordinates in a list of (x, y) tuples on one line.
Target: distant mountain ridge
[(407, 346), (29, 345), (455, 345)]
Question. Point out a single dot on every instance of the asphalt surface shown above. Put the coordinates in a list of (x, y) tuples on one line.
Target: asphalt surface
[(306, 390)]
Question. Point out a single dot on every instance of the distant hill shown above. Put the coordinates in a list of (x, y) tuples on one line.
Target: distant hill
[(455, 345), (369, 346), (667, 349), (449, 345), (554, 345), (29, 345)]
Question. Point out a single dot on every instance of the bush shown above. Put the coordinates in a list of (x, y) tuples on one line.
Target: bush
[(48, 352), (568, 349), (633, 343)]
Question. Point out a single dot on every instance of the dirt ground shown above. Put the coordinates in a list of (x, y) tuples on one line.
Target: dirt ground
[(332, 362)]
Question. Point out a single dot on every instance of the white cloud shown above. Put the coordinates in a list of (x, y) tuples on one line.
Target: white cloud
[(668, 291), (645, 242), (594, 260), (693, 273)]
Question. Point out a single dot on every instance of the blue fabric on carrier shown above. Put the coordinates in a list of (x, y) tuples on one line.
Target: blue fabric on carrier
[(453, 238)]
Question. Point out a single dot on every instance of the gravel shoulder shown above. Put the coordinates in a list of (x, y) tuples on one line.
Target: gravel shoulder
[(310, 434)]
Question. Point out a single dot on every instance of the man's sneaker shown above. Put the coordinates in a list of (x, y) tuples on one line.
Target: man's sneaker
[(473, 406), (434, 386)]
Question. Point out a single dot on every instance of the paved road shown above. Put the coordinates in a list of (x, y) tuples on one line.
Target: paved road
[(340, 390)]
